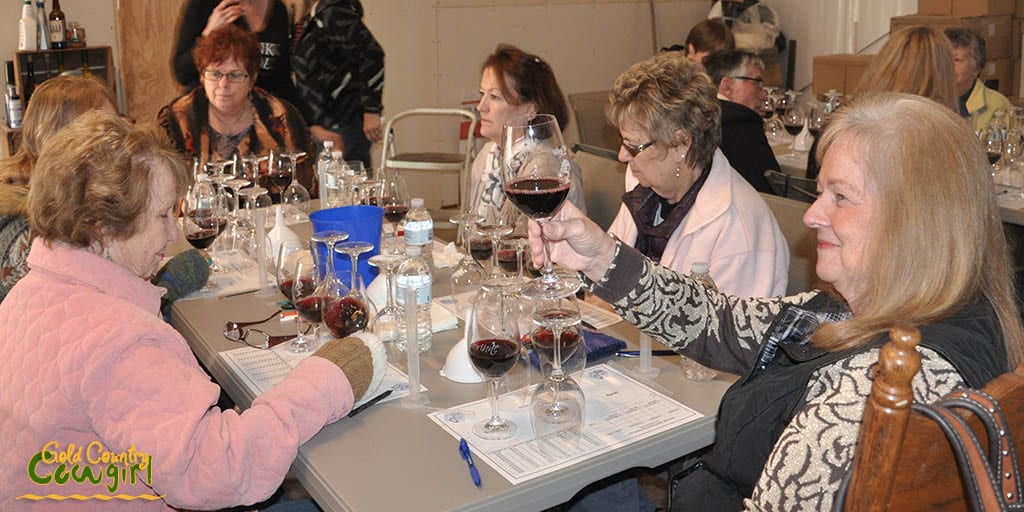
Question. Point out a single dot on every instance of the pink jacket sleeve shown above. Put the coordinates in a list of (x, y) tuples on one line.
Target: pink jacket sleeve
[(151, 397)]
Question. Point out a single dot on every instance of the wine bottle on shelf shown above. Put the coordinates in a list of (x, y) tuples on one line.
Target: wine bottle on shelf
[(58, 27), (30, 80), (60, 63), (42, 27), (27, 28), (12, 100)]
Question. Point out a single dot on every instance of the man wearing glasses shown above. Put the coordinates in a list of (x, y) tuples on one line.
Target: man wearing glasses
[(737, 74)]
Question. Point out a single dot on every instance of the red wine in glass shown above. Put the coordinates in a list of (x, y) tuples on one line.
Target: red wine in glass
[(202, 239), (287, 285), (815, 132), (508, 262), (494, 357), (309, 308), (280, 180), (344, 316), (543, 342), (481, 249), (539, 198), (994, 157), (395, 213), (794, 130), (371, 201)]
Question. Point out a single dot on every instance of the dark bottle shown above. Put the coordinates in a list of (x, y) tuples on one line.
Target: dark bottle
[(85, 63), (30, 81), (58, 27)]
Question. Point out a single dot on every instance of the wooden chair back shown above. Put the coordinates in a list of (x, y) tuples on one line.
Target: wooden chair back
[(903, 461)]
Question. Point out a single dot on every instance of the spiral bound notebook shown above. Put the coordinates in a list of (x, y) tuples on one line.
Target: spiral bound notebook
[(599, 346)]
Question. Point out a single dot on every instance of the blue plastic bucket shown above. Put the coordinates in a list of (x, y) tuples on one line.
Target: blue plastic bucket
[(362, 223)]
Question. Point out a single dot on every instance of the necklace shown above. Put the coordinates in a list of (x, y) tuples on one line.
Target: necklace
[(231, 125)]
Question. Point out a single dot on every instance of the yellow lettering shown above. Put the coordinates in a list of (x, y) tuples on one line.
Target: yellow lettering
[(92, 450), (49, 452)]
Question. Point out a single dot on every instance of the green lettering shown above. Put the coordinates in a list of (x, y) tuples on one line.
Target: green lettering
[(82, 473), (33, 474), (61, 475), (114, 480)]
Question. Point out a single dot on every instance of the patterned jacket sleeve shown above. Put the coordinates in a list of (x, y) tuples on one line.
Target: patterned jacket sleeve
[(718, 330), (815, 451)]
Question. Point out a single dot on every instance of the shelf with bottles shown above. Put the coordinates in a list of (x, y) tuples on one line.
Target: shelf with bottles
[(35, 67)]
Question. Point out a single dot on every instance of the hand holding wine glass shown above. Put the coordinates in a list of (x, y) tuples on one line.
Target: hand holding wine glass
[(536, 176)]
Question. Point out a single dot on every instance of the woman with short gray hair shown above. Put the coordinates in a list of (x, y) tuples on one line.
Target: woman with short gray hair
[(975, 100)]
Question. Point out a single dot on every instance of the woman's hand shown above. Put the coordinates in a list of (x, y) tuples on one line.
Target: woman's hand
[(575, 242), (224, 14)]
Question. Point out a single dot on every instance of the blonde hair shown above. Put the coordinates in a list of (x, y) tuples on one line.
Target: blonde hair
[(915, 60), (665, 93), (55, 103), (93, 179), (936, 201)]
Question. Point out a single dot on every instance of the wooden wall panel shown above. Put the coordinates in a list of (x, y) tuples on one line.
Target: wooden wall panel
[(145, 38)]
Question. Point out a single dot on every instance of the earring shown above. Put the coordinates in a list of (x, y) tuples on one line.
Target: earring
[(679, 160), (106, 253)]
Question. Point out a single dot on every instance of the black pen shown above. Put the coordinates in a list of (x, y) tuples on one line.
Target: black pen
[(372, 401), (636, 353)]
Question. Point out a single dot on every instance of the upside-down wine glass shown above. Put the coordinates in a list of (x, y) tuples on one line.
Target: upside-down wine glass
[(494, 226), (468, 274), (558, 402), (536, 175), (351, 312), (386, 320), (493, 346), (332, 288)]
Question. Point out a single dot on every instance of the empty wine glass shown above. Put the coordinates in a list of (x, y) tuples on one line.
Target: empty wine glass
[(493, 226), (307, 303), (511, 251), (535, 176), (385, 321), (493, 345), (558, 402), (468, 274), (256, 198), (351, 312)]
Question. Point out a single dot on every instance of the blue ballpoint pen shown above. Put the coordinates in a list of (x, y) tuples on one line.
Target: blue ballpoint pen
[(468, 457)]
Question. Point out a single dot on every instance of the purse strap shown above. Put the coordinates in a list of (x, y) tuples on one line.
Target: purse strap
[(992, 481)]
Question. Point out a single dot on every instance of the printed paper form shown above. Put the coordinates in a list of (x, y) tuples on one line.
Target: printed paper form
[(620, 411), (262, 369)]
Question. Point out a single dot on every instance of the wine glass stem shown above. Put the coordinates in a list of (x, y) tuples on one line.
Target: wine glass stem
[(389, 275), (556, 361), (330, 259), (492, 398), (549, 275), (519, 259), (495, 269), (354, 258)]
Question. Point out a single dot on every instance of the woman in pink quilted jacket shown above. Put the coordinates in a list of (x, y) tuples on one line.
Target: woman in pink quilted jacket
[(100, 397)]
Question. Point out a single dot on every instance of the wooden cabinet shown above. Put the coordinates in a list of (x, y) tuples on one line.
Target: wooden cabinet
[(35, 67)]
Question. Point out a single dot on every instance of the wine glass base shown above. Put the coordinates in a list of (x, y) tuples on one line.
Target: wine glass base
[(557, 406), (565, 283), (499, 431)]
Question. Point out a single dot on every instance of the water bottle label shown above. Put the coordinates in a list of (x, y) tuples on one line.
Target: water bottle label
[(420, 283), (418, 232)]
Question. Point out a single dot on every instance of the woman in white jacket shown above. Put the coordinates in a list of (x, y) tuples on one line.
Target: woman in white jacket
[(684, 202)]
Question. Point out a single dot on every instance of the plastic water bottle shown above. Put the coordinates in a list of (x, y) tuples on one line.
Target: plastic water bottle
[(27, 28), (692, 369), (324, 178), (419, 230), (414, 273)]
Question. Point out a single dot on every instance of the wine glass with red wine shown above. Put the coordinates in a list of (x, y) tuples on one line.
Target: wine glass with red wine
[(308, 304), (287, 254), (535, 176), (494, 347), (394, 199), (558, 402), (281, 172), (204, 216)]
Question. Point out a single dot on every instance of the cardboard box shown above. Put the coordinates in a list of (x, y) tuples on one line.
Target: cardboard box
[(841, 72), (935, 7), (994, 29), (998, 75), (983, 7)]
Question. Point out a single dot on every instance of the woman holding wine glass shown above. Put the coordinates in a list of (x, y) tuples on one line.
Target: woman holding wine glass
[(684, 201), (227, 114), (515, 83)]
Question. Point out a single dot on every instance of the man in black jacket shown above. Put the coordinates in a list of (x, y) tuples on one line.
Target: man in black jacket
[(741, 93)]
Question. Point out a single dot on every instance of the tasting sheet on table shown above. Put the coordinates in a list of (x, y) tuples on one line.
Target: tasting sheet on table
[(261, 369), (619, 411)]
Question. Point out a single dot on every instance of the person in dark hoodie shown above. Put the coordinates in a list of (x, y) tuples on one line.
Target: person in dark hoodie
[(339, 72), (737, 74)]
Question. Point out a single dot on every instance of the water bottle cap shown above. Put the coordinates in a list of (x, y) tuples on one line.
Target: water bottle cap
[(413, 250), (416, 202), (328, 145), (699, 267), (336, 155)]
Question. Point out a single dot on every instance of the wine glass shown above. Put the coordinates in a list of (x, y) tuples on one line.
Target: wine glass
[(350, 313), (816, 120), (511, 250), (992, 138), (284, 263), (394, 198), (468, 274), (493, 345), (305, 283), (558, 402), (369, 187), (204, 216), (256, 198), (793, 121), (493, 226), (281, 173), (536, 175), (386, 320)]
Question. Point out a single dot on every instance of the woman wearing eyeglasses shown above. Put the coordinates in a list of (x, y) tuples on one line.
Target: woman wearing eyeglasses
[(226, 114), (684, 202), (515, 83)]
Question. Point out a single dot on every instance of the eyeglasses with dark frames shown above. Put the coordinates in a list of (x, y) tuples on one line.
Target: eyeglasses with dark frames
[(233, 77), (758, 81), (636, 150)]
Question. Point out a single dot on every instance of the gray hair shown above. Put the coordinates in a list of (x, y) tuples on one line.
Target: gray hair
[(729, 63), (969, 40)]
